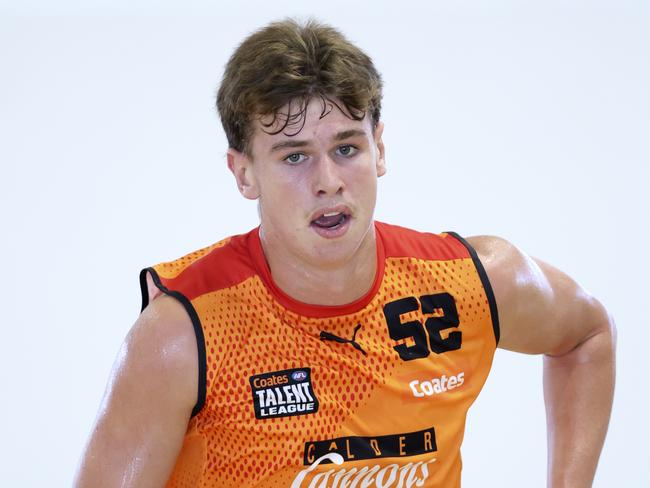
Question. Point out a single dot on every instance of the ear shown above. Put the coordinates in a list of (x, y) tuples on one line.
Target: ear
[(241, 167), (381, 154)]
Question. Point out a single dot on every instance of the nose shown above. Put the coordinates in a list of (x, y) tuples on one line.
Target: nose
[(327, 178)]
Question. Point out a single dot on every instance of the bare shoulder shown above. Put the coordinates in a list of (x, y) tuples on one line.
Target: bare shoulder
[(541, 309), (509, 269), (163, 338), (148, 402)]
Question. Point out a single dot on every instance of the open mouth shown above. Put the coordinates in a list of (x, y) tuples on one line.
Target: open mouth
[(331, 220)]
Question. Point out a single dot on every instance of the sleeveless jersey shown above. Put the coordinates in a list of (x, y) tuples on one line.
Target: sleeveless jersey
[(370, 394)]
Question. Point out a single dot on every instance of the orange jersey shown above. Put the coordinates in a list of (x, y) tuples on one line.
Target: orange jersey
[(370, 394)]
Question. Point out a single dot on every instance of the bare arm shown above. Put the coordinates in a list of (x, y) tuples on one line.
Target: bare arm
[(543, 311), (147, 405)]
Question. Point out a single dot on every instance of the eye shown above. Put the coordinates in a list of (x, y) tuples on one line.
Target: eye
[(295, 158), (347, 150)]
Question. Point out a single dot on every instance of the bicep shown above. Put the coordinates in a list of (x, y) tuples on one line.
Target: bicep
[(148, 402), (542, 310), (571, 315)]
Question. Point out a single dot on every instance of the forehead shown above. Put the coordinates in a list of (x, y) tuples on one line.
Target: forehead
[(317, 119)]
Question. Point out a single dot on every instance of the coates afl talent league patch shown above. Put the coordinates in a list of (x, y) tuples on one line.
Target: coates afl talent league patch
[(283, 393)]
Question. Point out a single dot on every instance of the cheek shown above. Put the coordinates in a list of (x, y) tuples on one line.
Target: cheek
[(363, 179), (282, 193)]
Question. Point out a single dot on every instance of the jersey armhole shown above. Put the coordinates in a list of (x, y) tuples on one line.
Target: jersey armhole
[(494, 314), (196, 324)]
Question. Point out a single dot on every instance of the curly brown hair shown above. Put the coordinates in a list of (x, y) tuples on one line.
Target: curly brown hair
[(288, 64)]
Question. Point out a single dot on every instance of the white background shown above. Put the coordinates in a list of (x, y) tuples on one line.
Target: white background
[(528, 120)]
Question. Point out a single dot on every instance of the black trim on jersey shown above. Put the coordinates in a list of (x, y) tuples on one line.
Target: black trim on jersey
[(486, 284), (196, 323)]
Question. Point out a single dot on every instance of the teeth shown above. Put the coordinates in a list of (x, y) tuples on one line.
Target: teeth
[(332, 214)]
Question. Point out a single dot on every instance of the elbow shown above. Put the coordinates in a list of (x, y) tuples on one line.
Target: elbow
[(599, 344), (603, 325), (596, 337)]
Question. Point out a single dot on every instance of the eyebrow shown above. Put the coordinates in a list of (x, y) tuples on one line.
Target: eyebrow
[(302, 143)]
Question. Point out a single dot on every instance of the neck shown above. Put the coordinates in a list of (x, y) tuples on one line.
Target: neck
[(319, 282)]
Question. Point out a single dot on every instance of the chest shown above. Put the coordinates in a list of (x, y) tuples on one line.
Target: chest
[(278, 378)]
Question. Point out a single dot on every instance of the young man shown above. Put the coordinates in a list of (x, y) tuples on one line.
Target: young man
[(333, 350)]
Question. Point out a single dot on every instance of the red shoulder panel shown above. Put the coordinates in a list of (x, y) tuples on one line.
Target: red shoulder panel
[(223, 267), (402, 242)]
